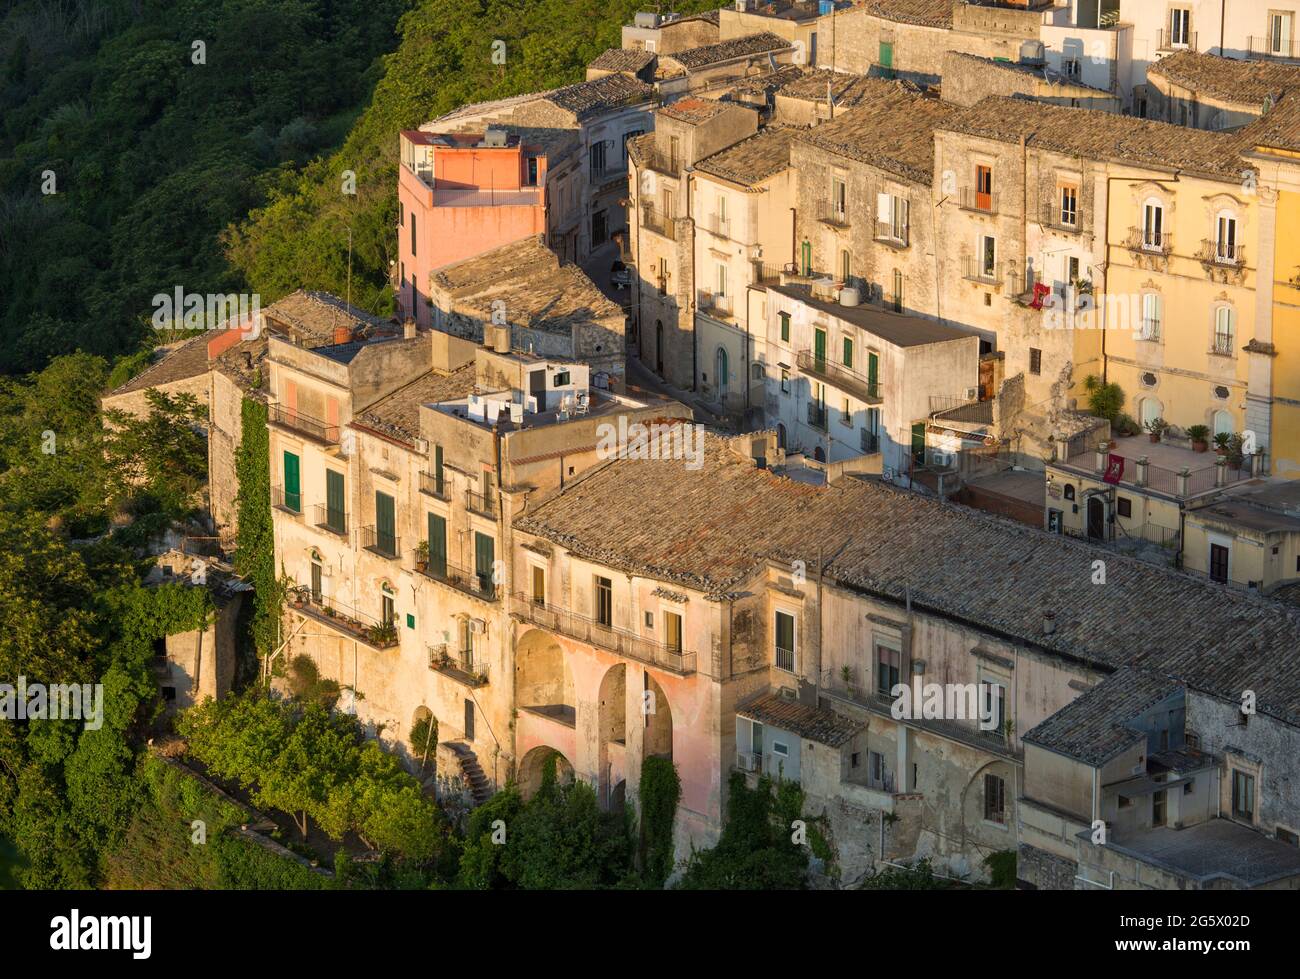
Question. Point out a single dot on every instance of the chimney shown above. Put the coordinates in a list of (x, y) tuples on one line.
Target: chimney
[(408, 328), (1049, 623), (501, 339), (342, 334)]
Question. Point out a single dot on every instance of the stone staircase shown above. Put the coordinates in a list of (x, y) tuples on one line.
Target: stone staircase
[(480, 787)]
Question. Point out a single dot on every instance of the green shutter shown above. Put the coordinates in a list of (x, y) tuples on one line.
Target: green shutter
[(784, 631), (336, 512), (484, 558), (785, 327), (873, 369), (437, 544), (848, 352), (437, 469), (819, 347), (385, 523), (292, 482)]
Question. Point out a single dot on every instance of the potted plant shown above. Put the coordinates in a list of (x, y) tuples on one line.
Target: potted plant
[(846, 674), (1155, 428), (422, 555), (1200, 435), (1221, 441)]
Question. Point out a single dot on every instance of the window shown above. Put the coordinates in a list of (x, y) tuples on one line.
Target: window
[(891, 218), (1069, 211), (401, 213), (785, 381), (1223, 424), (997, 695), (388, 613), (437, 545), (846, 266), (317, 590), (627, 137), (984, 188), (335, 513), (1286, 836), (1219, 558), (1224, 328), (720, 278), (385, 524), (848, 351), (561, 379), (846, 416), (785, 651), (1158, 808), (597, 158), (674, 151), (778, 748), (663, 276), (1124, 506), (785, 327), (1035, 360), (531, 178), (604, 601), (1069, 491), (1225, 238), (877, 774), (995, 798), (1153, 225), (1180, 21), (412, 234), (484, 560), (292, 483), (439, 477), (539, 585), (839, 198), (1151, 314), (988, 256), (887, 671), (1243, 796), (1279, 34), (896, 301), (673, 631), (1125, 802)]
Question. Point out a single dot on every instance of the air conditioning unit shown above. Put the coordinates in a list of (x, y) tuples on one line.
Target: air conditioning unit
[(748, 761), (422, 446), (476, 626), (972, 394)]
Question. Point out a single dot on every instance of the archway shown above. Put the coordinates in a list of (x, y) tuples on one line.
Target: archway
[(533, 766), (659, 347), (613, 705), (658, 739), (722, 372), (542, 680), (780, 435), (819, 454)]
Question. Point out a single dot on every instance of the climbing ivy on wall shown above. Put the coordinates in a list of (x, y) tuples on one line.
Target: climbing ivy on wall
[(255, 545), (660, 791)]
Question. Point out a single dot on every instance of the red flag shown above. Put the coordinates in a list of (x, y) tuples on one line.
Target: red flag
[(1114, 469)]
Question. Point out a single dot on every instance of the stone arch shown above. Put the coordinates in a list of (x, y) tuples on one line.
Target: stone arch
[(542, 677), (658, 712), (533, 764)]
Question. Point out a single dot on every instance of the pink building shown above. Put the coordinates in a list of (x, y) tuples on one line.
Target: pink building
[(460, 195)]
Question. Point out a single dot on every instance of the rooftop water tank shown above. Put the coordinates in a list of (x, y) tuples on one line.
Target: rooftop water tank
[(1033, 53), (850, 296)]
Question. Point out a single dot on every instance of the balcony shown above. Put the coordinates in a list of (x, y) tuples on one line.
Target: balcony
[(334, 521), (435, 485), (344, 619), (889, 233), (458, 665), (718, 225), (839, 376), (288, 502), (475, 583), (974, 270), (1223, 254), (1058, 219), (971, 199), (870, 442), (618, 641), (381, 542), (1163, 467), (816, 416), (1146, 241), (766, 275), (655, 220), (668, 164), (484, 504), (1179, 41), (306, 425), (784, 659), (1276, 46), (606, 179), (834, 213), (716, 305)]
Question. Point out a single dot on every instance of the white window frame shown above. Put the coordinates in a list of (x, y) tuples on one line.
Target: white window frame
[(1224, 349), (794, 637)]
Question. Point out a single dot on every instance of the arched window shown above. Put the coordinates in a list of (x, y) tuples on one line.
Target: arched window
[(1153, 224), (1223, 423), (388, 603), (846, 266), (1225, 237), (317, 577), (780, 435), (1152, 314), (1149, 410), (1069, 491), (722, 372), (1225, 330)]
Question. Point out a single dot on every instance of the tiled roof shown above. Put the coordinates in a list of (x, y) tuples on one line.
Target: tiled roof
[(243, 364), (712, 528), (619, 59), (694, 109), (752, 160), (316, 314), (693, 59), (587, 99), (185, 360), (769, 81), (925, 13), (898, 329), (1279, 129), (820, 724), (1230, 79), (891, 128), (1045, 75), (1094, 728), (398, 415), (847, 90), (1104, 136), (538, 292)]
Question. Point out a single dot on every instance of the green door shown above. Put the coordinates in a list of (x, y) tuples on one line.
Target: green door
[(437, 545), (292, 483), (806, 255), (887, 58), (437, 470), (873, 371), (484, 558), (385, 524), (918, 443), (819, 347), (335, 512)]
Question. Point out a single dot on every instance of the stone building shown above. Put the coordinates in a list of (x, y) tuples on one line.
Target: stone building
[(968, 78), (714, 65), (667, 33), (1206, 91)]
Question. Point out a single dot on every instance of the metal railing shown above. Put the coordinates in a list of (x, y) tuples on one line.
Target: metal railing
[(1168, 41), (719, 225), (870, 442), (288, 502), (661, 224), (313, 428), (483, 504), (974, 270), (974, 200), (665, 163), (834, 213), (784, 659), (715, 303), (1055, 216), (1149, 240), (472, 582), (434, 485), (1273, 46), (619, 641), (335, 521), (817, 416), (892, 234), (458, 664), (842, 377), (1228, 254), (344, 617), (381, 542)]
